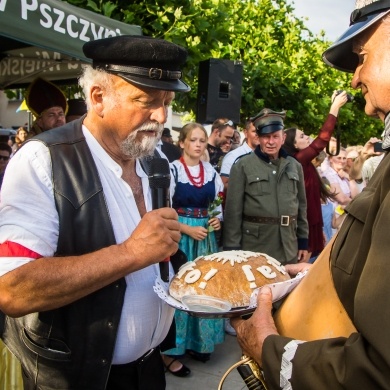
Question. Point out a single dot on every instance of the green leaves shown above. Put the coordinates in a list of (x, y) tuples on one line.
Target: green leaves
[(91, 4), (282, 59), (108, 8)]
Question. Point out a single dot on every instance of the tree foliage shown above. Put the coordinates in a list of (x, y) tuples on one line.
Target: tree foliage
[(283, 67)]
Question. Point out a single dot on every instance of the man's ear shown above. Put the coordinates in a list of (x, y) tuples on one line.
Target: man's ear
[(97, 101), (38, 121)]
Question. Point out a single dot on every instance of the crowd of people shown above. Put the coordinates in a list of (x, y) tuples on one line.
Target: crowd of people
[(357, 359), (74, 281), (50, 108), (272, 196)]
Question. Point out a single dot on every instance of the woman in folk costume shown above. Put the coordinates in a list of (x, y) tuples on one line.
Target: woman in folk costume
[(197, 199)]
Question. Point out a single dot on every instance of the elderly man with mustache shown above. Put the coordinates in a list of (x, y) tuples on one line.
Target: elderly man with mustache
[(79, 244)]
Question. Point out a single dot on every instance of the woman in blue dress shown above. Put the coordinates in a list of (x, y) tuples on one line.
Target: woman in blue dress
[(197, 187)]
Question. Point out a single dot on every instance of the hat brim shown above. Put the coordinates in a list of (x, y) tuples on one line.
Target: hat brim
[(271, 128), (340, 55), (164, 85)]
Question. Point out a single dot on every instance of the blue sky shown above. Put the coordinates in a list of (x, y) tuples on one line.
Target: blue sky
[(332, 16)]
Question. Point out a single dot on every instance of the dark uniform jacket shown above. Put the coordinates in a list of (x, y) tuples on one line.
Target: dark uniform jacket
[(258, 188), (72, 347), (360, 268)]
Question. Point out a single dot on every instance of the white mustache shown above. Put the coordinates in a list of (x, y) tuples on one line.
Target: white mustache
[(151, 126)]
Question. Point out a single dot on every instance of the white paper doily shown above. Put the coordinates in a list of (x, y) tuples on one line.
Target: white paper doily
[(279, 291)]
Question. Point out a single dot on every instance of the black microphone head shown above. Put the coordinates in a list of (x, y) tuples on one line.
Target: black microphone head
[(159, 173)]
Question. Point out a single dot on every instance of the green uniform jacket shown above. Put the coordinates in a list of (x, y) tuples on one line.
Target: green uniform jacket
[(360, 261), (259, 188)]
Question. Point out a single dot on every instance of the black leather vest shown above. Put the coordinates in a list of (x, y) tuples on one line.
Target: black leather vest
[(72, 347)]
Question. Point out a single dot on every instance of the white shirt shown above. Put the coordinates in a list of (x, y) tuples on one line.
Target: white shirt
[(209, 174), (231, 157), (28, 217)]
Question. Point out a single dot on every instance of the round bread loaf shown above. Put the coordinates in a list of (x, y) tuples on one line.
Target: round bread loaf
[(229, 275)]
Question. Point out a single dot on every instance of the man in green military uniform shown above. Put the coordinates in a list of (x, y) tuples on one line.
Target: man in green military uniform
[(266, 202), (360, 255)]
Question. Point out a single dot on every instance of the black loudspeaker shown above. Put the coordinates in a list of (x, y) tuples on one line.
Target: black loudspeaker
[(219, 90)]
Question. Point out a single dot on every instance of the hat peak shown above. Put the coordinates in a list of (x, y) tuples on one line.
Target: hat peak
[(268, 121)]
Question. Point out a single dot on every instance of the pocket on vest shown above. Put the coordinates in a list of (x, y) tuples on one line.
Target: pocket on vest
[(51, 349)]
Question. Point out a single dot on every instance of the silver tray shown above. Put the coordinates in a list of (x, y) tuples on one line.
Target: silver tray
[(236, 312), (279, 291)]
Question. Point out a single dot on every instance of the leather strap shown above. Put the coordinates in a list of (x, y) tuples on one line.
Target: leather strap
[(283, 220), (151, 73)]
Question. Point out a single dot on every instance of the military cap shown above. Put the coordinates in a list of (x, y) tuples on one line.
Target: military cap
[(42, 95), (366, 13), (268, 121), (142, 61)]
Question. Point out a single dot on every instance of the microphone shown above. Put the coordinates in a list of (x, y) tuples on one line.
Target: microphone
[(159, 181)]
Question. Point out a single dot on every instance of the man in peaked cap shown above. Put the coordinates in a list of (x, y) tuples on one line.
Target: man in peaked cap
[(266, 211), (80, 240), (268, 121), (360, 357), (48, 105)]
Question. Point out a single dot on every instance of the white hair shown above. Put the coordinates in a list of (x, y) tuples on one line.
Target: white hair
[(131, 146), (91, 77)]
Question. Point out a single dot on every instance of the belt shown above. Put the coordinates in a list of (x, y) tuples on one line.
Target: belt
[(283, 220), (192, 212), (137, 362)]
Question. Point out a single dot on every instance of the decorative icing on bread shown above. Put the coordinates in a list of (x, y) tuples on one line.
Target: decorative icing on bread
[(229, 275)]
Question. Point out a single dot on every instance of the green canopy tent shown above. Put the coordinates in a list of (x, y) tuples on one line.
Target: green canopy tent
[(45, 38)]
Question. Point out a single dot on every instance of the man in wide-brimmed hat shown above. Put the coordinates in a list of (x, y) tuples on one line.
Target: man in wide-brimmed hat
[(48, 105), (359, 358), (80, 240)]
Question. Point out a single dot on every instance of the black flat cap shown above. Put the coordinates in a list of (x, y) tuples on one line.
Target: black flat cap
[(268, 121), (366, 13), (142, 61)]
